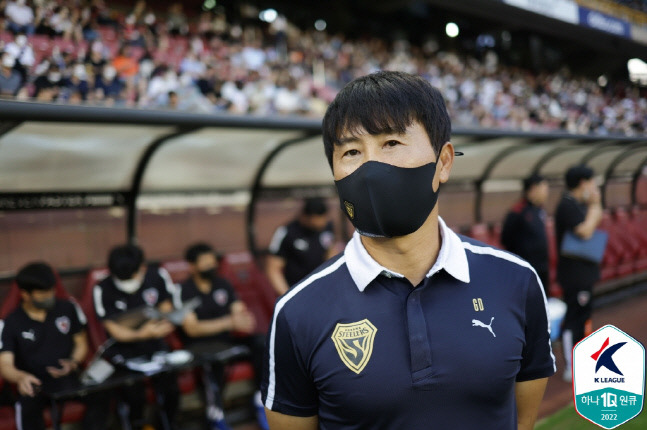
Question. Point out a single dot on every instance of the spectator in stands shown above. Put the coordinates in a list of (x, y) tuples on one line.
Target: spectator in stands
[(481, 92), (579, 212), (125, 64), (108, 86), (10, 81), (176, 20), (42, 345), (132, 285), (20, 17), (214, 322), (21, 50), (411, 314), (77, 84), (524, 228), (300, 246), (47, 86)]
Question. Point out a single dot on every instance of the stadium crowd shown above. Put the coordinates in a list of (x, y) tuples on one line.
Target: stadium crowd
[(75, 51)]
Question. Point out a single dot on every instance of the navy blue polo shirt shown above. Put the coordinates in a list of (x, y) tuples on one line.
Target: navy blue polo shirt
[(359, 346)]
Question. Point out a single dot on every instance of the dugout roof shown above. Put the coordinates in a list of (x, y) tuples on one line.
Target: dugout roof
[(72, 156)]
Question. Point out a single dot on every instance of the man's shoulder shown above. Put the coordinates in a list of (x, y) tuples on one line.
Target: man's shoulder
[(15, 316), (106, 283), (328, 278), (495, 258), (293, 228), (64, 305)]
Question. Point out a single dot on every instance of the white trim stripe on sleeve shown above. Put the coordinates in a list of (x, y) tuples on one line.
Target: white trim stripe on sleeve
[(271, 388), (1, 329), (18, 417), (79, 313), (277, 239), (514, 259), (97, 292)]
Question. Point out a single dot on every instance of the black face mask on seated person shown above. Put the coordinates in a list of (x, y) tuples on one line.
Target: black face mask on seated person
[(382, 200), (207, 274), (45, 304)]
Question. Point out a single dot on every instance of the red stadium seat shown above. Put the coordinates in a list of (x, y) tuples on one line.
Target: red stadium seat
[(620, 250), (490, 235), (252, 286), (96, 332), (178, 269), (634, 237), (479, 232)]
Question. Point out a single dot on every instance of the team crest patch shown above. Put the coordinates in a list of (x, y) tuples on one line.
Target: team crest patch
[(350, 209), (354, 343), (63, 324), (220, 296), (150, 296)]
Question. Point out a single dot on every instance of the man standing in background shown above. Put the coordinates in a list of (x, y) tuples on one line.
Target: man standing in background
[(300, 246), (579, 212), (524, 228)]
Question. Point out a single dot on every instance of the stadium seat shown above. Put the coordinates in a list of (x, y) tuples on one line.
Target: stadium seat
[(619, 250), (251, 284), (178, 269), (96, 332), (6, 37), (107, 33), (485, 233), (479, 231), (634, 237)]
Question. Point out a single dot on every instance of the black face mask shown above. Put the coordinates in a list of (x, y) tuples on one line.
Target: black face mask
[(45, 304), (382, 200), (207, 274)]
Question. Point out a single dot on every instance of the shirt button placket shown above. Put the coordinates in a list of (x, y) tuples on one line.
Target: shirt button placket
[(420, 349)]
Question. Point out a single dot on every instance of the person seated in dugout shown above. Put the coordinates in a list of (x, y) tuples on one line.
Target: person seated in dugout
[(220, 321), (133, 285), (42, 345)]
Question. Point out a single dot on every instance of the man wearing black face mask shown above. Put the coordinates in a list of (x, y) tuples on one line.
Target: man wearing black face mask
[(42, 344), (133, 285), (413, 325), (212, 323)]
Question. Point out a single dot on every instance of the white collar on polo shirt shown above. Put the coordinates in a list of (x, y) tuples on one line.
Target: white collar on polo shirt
[(363, 268)]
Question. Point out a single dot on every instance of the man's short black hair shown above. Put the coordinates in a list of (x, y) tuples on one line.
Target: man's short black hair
[(194, 251), (577, 174), (36, 276), (531, 181), (386, 102), (314, 206), (125, 260)]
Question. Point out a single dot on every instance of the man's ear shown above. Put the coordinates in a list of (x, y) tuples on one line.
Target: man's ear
[(445, 162), (24, 295)]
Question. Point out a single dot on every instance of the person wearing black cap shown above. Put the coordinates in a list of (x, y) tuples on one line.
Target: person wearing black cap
[(578, 212), (299, 247), (524, 228)]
